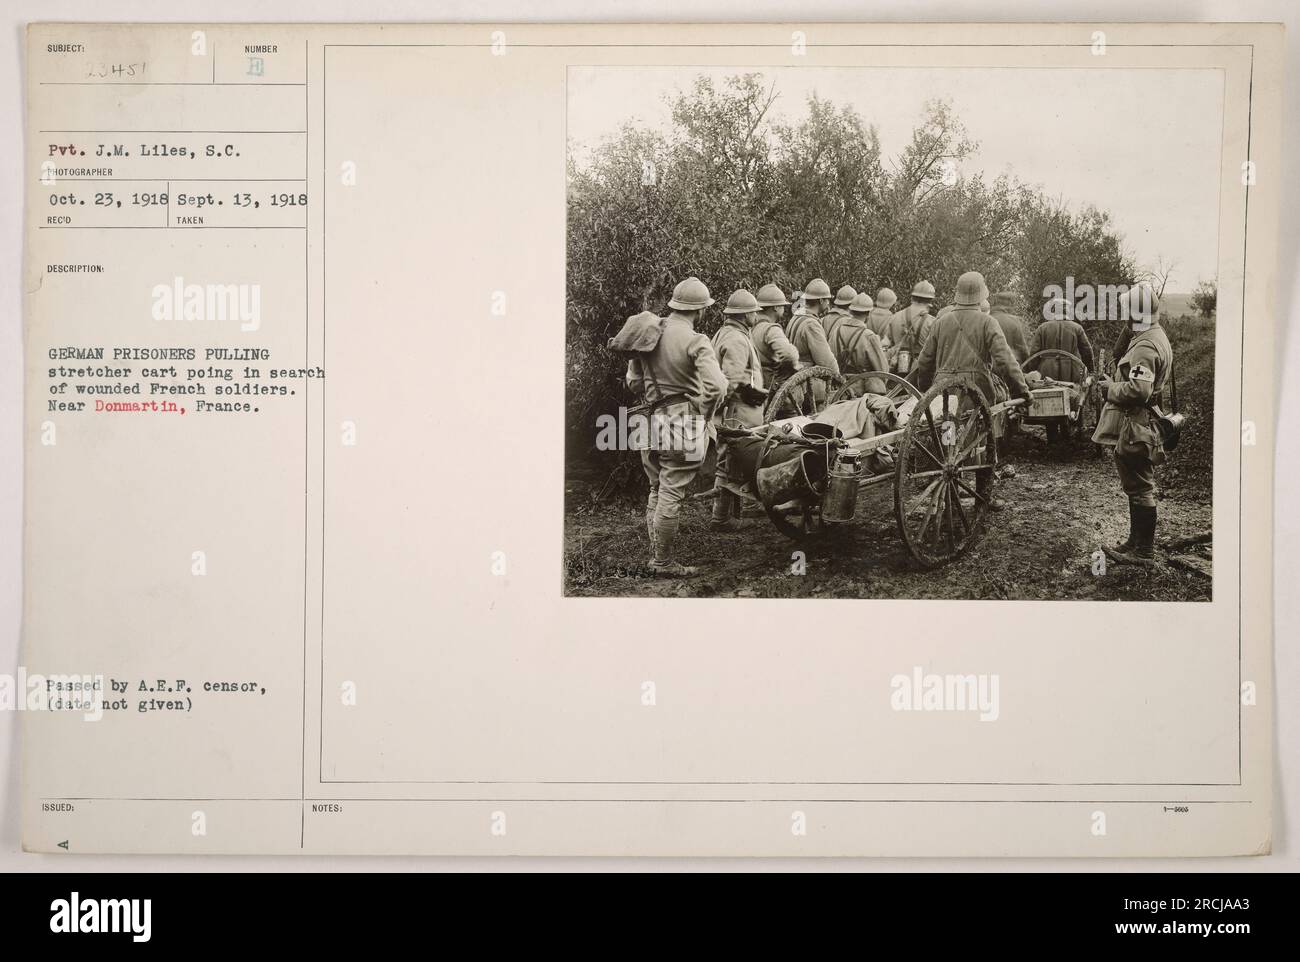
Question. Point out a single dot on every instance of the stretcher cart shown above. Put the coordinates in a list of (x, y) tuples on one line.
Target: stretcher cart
[(940, 458)]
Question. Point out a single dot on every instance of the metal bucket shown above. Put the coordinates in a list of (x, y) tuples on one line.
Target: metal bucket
[(793, 480), (817, 431), (841, 501)]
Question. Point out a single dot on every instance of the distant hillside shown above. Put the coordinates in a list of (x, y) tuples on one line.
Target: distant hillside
[(1177, 305)]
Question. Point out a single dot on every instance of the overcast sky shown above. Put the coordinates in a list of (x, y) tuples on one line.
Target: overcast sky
[(1143, 144)]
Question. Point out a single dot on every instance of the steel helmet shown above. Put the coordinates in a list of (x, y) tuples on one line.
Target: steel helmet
[(740, 302), (844, 296), (769, 295), (862, 303), (924, 289), (690, 295), (1142, 302), (886, 298), (817, 290), (971, 289)]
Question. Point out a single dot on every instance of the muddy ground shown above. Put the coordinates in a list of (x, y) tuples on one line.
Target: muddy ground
[(1061, 506)]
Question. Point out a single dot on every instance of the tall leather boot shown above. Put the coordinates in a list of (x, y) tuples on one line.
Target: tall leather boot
[(1125, 546), (1142, 538), (1144, 535), (663, 564)]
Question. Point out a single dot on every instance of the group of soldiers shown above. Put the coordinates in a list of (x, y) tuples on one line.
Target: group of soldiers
[(725, 378)]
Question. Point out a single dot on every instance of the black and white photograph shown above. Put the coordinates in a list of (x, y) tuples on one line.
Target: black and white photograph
[(883, 332)]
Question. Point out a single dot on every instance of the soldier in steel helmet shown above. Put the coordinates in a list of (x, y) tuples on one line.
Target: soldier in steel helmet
[(742, 404), (879, 316), (1060, 332), (838, 313), (965, 340), (681, 379), (909, 329), (968, 341), (806, 332), (858, 347), (776, 355)]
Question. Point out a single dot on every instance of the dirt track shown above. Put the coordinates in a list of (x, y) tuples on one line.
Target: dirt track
[(1061, 506)]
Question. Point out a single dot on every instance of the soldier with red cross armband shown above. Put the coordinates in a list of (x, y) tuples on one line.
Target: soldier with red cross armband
[(1127, 423)]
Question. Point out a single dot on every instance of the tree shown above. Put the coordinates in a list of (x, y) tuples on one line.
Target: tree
[(1205, 298), (1158, 275), (829, 180), (1055, 243)]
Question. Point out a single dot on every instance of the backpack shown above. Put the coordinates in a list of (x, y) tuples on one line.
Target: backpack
[(636, 340), (638, 336)]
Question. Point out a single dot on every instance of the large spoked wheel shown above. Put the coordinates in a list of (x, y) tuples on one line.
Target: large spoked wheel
[(1034, 360), (895, 386), (799, 520), (943, 477), (803, 393)]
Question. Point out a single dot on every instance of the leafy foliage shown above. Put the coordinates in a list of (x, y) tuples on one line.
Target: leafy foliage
[(1205, 298), (740, 199)]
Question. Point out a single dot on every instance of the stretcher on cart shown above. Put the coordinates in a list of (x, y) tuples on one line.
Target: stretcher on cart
[(826, 439)]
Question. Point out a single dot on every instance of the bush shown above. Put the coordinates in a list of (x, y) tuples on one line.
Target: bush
[(1205, 298), (1191, 386)]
